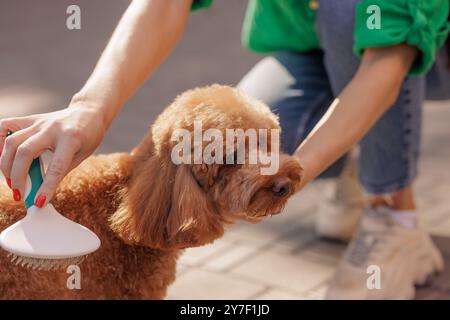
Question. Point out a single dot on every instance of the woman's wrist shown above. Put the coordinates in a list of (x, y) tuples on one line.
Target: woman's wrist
[(104, 111), (307, 173)]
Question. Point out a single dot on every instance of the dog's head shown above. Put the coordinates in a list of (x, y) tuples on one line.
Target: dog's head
[(168, 204), (241, 192)]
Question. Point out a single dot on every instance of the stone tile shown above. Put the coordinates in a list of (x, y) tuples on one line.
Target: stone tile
[(430, 293), (440, 229), (442, 190), (262, 234), (200, 284), (181, 269), (324, 251), (443, 243), (278, 294), (230, 257), (300, 237), (196, 256), (434, 214), (284, 271), (318, 293), (438, 286)]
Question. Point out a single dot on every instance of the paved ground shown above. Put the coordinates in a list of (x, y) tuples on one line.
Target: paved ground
[(42, 64)]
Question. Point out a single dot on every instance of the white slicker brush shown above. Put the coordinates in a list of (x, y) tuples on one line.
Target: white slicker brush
[(44, 239)]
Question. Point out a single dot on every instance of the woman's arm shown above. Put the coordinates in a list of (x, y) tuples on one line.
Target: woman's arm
[(146, 34), (372, 91)]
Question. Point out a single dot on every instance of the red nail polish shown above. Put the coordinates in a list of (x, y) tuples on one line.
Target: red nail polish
[(8, 181), (16, 195), (40, 201)]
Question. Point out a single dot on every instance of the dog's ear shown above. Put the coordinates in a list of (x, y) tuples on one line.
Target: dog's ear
[(164, 206), (145, 202), (192, 219)]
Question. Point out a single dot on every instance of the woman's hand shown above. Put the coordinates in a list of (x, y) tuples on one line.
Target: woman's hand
[(146, 34), (72, 134)]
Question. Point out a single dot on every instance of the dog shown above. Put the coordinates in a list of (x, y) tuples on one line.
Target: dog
[(146, 209)]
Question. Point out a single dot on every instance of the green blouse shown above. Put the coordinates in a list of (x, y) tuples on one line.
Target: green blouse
[(274, 25)]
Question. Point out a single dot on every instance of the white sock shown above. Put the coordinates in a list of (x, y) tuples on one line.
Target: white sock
[(406, 218)]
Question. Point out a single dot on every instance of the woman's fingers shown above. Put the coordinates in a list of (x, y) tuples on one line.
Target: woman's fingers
[(64, 131), (13, 125), (59, 166), (30, 149), (5, 127), (2, 142), (11, 143)]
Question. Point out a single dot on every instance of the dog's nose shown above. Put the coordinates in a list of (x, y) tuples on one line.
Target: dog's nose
[(282, 187)]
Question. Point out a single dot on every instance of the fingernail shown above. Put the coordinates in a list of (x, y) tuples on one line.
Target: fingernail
[(40, 201), (8, 181), (16, 195)]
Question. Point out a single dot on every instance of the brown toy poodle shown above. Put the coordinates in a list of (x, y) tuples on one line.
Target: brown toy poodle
[(146, 209)]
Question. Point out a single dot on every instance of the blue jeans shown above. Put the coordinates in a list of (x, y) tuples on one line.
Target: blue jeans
[(299, 87)]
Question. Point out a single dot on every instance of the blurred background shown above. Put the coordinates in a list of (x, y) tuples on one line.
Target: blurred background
[(42, 64)]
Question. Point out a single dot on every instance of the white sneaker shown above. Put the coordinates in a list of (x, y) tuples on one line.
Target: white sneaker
[(342, 206), (384, 260)]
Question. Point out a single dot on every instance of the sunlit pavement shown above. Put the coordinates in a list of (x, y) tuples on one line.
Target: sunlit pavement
[(42, 64)]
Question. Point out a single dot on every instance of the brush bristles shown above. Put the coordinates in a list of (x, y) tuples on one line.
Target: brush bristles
[(45, 264)]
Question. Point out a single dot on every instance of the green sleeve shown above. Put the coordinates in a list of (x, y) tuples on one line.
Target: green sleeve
[(420, 23), (200, 4)]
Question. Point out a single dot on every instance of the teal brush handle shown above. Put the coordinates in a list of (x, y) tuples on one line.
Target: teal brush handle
[(36, 178)]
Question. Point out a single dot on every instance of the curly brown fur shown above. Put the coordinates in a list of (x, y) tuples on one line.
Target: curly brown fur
[(145, 209)]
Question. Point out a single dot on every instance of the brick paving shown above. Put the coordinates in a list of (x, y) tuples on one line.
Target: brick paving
[(42, 64)]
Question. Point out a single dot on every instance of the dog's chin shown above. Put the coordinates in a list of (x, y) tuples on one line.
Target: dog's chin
[(256, 217), (244, 217)]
